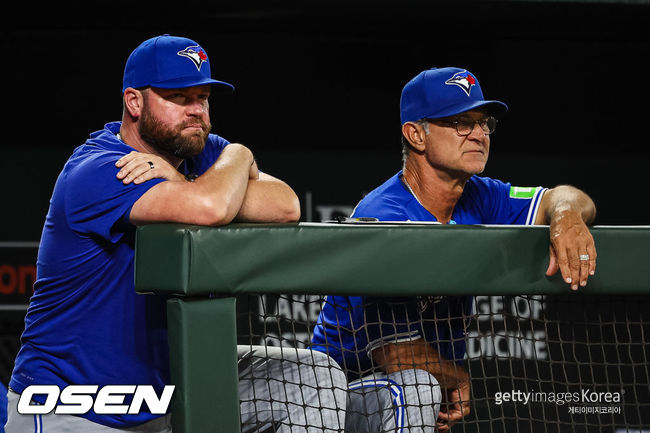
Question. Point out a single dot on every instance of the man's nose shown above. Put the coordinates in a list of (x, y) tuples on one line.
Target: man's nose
[(195, 108), (477, 132)]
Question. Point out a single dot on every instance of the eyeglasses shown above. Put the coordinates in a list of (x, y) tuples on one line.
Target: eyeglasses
[(465, 127)]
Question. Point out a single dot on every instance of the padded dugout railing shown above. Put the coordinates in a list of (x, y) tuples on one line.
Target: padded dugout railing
[(202, 269)]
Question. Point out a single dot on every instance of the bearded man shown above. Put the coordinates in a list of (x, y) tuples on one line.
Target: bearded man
[(85, 324)]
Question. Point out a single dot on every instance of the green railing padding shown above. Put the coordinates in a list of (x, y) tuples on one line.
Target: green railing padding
[(408, 259), (203, 361)]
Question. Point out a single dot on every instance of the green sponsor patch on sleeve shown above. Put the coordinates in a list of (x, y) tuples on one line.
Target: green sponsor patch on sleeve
[(522, 191)]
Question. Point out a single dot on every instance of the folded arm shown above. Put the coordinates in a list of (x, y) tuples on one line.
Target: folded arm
[(270, 200), (232, 190), (214, 198)]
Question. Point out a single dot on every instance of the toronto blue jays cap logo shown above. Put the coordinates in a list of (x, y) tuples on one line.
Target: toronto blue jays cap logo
[(195, 54), (462, 79)]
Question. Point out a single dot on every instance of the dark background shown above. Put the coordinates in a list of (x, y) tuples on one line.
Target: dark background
[(318, 86)]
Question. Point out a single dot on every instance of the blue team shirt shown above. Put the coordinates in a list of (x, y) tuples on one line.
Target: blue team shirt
[(85, 324), (350, 327), (3, 407)]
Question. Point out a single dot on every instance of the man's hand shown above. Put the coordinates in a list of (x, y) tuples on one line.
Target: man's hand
[(139, 167), (453, 379), (454, 407), (572, 249), (568, 211)]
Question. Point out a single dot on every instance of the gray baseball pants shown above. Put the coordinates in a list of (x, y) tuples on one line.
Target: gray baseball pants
[(288, 390), (401, 402)]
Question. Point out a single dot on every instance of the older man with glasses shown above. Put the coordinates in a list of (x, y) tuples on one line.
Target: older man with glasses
[(405, 356)]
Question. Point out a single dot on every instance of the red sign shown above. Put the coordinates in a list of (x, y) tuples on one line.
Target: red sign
[(17, 273)]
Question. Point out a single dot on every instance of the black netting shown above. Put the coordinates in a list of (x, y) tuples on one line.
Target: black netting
[(571, 363)]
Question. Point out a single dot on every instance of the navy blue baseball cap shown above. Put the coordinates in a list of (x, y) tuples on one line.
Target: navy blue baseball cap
[(442, 92), (169, 62)]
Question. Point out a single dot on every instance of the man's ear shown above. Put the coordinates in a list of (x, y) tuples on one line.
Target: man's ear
[(133, 102), (414, 134)]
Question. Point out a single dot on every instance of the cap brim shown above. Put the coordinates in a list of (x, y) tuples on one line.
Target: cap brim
[(182, 83), (494, 108)]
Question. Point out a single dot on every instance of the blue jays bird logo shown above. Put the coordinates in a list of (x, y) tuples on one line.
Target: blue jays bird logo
[(464, 80), (195, 54)]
